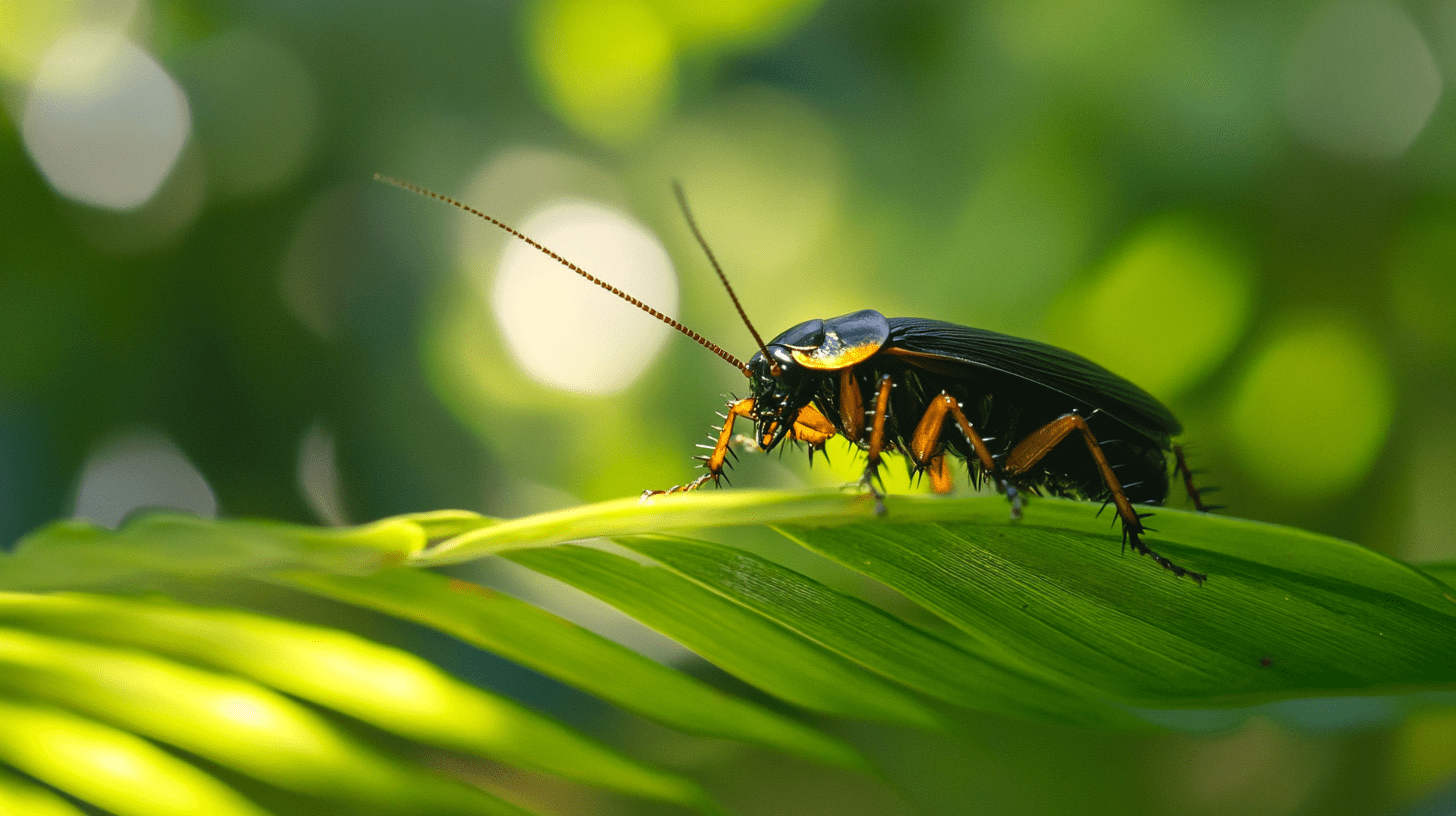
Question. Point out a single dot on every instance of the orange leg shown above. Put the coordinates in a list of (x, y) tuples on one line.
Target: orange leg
[(939, 470), (877, 442), (718, 458), (851, 406), (810, 426), (925, 443), (1031, 450)]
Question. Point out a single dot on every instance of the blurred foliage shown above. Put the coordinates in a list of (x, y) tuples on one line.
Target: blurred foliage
[(1248, 208)]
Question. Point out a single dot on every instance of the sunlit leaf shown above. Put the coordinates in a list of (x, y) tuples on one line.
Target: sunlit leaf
[(869, 636), (573, 655), (226, 719), (112, 769), (384, 686), (18, 796), (72, 554), (1284, 613), (756, 650)]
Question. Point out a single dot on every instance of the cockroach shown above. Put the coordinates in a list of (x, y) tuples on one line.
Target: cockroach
[(1011, 408)]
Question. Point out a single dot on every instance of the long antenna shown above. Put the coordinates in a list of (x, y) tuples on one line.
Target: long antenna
[(682, 201), (701, 340)]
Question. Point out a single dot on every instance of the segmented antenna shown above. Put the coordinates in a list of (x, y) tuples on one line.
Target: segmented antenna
[(701, 340), (682, 201)]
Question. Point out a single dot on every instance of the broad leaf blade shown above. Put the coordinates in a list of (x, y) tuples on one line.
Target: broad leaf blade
[(754, 649), (582, 659), (869, 636), (1284, 612)]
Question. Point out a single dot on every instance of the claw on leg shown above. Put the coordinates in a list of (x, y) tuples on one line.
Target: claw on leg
[(682, 488)]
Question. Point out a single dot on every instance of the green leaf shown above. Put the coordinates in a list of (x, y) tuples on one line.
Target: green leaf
[(1284, 612), (73, 554), (869, 636), (1045, 616), (680, 512), (1444, 572), (754, 649), (23, 798), (580, 658), (109, 768), (228, 720), (386, 687)]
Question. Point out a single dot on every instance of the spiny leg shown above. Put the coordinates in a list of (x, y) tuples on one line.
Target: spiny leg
[(877, 442), (1180, 468), (925, 442), (810, 426), (1031, 450), (716, 460)]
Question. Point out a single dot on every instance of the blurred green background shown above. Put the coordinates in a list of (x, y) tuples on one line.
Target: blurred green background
[(1248, 208)]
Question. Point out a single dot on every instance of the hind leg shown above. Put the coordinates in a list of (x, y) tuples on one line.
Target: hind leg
[(1030, 450)]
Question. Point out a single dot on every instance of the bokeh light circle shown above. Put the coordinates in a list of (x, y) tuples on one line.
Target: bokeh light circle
[(1165, 309), (1313, 409), (562, 330), (137, 470), (607, 65), (104, 121), (1361, 80)]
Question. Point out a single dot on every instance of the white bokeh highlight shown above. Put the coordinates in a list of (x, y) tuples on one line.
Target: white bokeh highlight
[(566, 332), (1362, 81), (104, 121), (318, 475), (137, 470)]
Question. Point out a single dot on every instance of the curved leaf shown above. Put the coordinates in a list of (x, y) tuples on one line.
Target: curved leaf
[(112, 769), (750, 647), (226, 719), (679, 512), (1445, 572), (557, 648), (75, 554), (1284, 611), (386, 687), (870, 636), (19, 796)]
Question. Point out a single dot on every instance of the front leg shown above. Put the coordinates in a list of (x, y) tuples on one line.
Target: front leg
[(717, 459), (810, 427)]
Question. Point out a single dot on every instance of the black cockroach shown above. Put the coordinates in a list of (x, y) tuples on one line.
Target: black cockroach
[(926, 388)]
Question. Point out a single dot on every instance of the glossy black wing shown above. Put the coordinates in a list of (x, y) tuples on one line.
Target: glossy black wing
[(1079, 378)]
